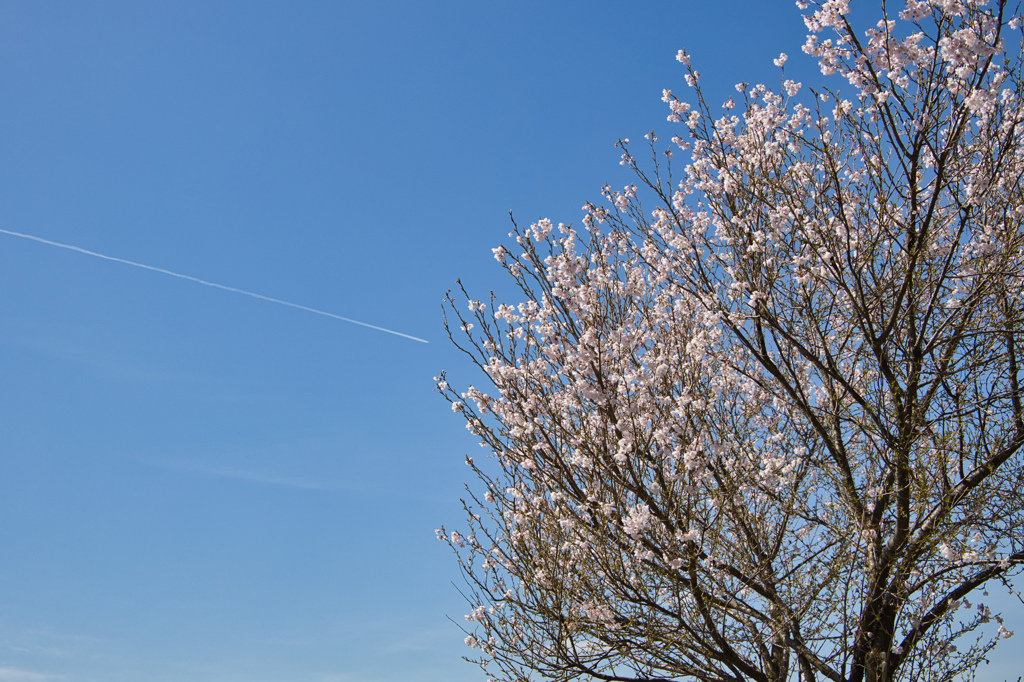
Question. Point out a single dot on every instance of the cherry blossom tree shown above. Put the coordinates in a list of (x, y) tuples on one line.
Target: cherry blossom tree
[(761, 418)]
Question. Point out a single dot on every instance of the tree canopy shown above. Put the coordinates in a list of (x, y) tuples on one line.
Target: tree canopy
[(760, 416)]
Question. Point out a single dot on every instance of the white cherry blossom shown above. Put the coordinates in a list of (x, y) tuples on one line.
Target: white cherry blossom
[(759, 416)]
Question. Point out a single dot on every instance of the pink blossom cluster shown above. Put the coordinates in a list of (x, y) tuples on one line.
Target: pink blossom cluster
[(776, 412)]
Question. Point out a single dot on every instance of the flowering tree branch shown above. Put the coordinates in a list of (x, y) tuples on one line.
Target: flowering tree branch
[(761, 419)]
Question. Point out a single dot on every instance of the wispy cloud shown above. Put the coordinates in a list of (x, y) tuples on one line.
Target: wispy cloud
[(45, 642), (66, 346), (19, 675), (251, 476)]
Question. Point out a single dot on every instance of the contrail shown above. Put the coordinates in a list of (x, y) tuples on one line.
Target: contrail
[(69, 247)]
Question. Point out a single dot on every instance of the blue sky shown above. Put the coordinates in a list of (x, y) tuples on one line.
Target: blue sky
[(197, 485)]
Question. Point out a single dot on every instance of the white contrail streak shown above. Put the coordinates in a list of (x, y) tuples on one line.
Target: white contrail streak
[(69, 247)]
